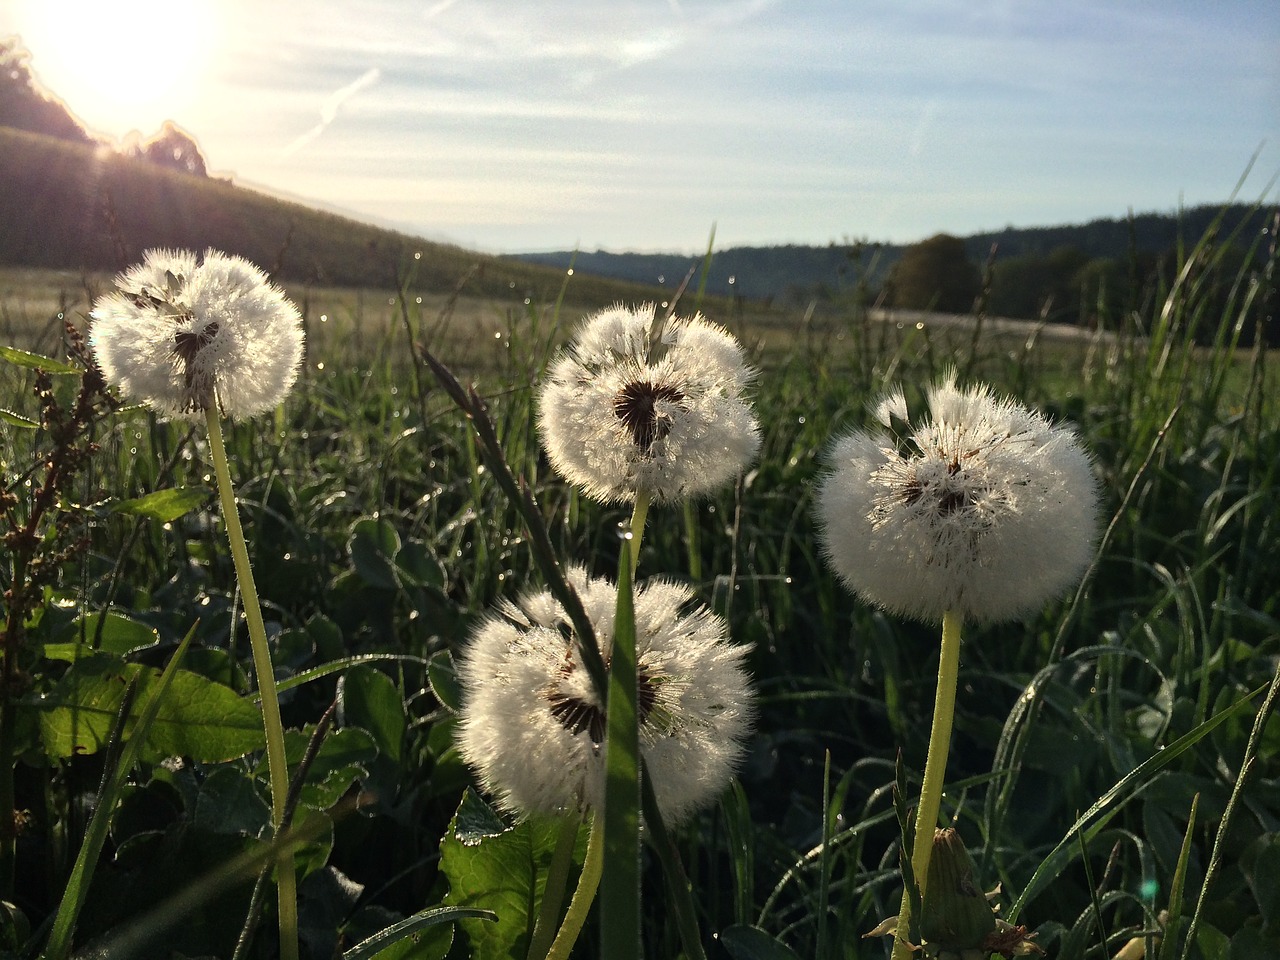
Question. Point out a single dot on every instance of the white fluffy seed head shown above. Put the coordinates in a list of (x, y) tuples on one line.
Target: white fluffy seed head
[(185, 334), (620, 412), (533, 728), (985, 508)]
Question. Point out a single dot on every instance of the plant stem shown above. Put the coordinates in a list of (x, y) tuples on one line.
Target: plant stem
[(553, 890), (277, 765), (588, 881), (935, 770)]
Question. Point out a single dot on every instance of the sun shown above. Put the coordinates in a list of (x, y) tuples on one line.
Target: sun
[(123, 65)]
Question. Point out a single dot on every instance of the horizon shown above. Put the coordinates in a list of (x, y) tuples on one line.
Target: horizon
[(551, 128)]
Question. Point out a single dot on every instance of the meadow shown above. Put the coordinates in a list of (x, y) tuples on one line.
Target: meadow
[(1115, 769)]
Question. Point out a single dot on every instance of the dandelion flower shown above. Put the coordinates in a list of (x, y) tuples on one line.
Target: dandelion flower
[(188, 334), (629, 408), (986, 508), (533, 728)]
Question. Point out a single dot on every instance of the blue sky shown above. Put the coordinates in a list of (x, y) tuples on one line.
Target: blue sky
[(511, 126)]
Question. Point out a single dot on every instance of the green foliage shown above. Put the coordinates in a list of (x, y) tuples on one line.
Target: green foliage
[(500, 867), (380, 533)]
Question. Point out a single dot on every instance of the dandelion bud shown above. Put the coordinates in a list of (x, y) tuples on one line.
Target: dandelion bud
[(955, 915)]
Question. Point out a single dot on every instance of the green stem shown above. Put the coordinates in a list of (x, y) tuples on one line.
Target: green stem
[(277, 765), (935, 769), (588, 882), (553, 890), (638, 514)]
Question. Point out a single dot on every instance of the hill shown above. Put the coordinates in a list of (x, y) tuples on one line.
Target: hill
[(788, 274), (74, 206)]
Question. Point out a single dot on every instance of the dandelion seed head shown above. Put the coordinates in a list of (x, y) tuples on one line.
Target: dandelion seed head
[(986, 508), (185, 333), (630, 406), (533, 728)]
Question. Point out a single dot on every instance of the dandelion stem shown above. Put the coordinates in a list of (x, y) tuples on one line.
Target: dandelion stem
[(638, 514), (277, 766), (553, 890), (935, 769), (588, 882)]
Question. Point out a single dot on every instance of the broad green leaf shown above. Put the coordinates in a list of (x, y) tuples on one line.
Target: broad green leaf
[(119, 763), (198, 718), (369, 699), (373, 545), (165, 506), (342, 759), (504, 872), (34, 361), (230, 803), (751, 943), (119, 635), (419, 566)]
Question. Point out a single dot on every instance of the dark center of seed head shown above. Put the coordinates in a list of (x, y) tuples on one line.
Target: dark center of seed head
[(188, 343), (576, 714), (636, 406)]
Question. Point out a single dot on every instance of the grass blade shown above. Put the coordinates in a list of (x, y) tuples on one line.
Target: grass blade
[(1111, 802)]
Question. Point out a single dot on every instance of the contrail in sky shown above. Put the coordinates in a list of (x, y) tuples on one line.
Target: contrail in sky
[(329, 110)]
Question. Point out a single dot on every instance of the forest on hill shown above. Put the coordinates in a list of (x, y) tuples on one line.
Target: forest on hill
[(1067, 273)]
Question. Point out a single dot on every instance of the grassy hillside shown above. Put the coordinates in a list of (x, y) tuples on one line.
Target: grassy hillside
[(71, 206)]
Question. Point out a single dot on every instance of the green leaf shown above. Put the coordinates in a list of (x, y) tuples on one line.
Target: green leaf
[(119, 635), (17, 420), (342, 759), (503, 871), (370, 700), (408, 927), (444, 681), (230, 803), (165, 506), (198, 718), (119, 764), (419, 566), (34, 361), (373, 545), (745, 942)]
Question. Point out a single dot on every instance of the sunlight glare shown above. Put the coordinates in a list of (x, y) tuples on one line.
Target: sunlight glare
[(127, 65)]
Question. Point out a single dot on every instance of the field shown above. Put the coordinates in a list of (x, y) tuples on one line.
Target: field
[(1115, 767)]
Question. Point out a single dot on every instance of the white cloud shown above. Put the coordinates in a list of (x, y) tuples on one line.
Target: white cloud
[(329, 110)]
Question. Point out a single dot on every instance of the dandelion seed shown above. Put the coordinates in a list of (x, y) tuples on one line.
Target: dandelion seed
[(188, 334), (637, 405), (533, 728), (986, 508)]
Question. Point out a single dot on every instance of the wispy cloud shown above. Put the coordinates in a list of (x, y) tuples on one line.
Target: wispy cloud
[(329, 109)]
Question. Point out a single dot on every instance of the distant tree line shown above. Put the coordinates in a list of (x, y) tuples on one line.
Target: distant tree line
[(1096, 274), (26, 105)]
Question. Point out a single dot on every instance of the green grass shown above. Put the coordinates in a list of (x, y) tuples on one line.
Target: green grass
[(375, 533)]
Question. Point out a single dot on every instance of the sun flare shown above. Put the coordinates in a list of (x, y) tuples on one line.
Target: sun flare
[(128, 65)]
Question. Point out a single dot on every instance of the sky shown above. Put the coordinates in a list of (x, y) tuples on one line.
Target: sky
[(529, 125)]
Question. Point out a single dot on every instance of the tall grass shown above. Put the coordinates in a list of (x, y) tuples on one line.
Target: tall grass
[(378, 534)]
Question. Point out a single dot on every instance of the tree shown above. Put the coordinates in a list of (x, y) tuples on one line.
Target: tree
[(935, 274), (174, 148), (25, 104)]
